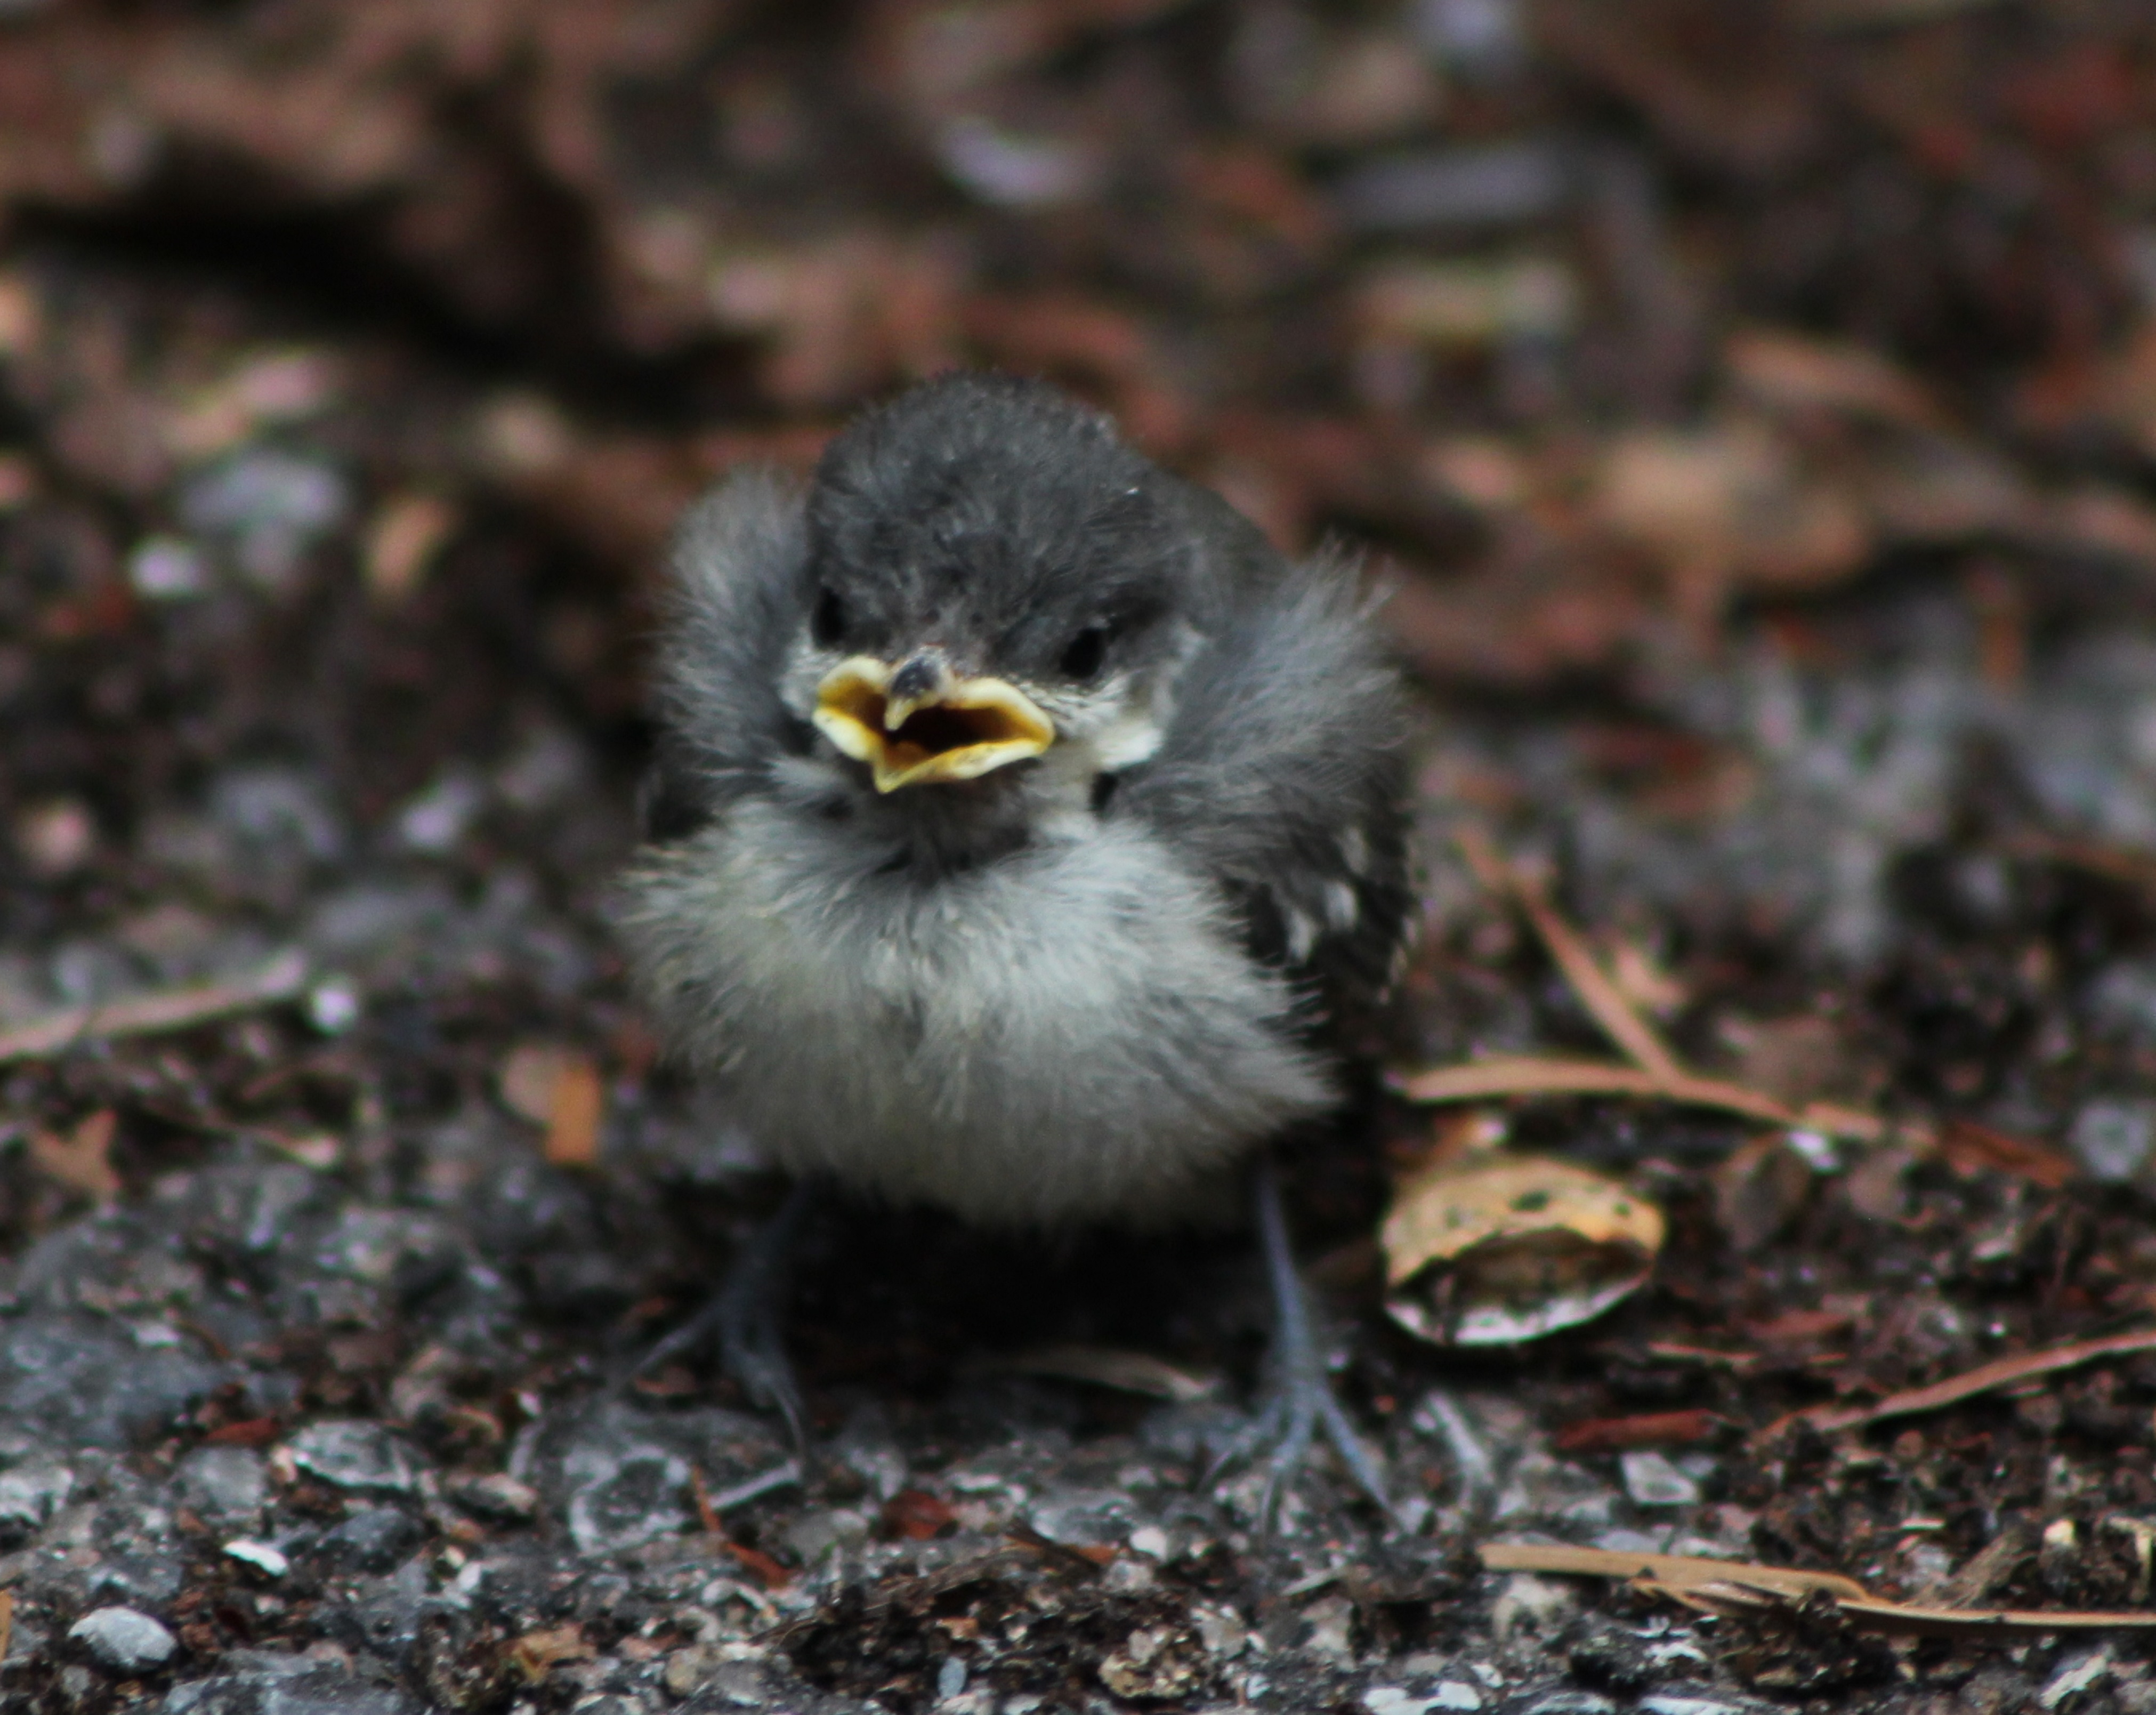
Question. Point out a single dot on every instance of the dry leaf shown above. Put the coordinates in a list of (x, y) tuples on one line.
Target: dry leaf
[(538, 1653), (82, 1159), (402, 540), (526, 1081), (559, 1088), (1502, 1251), (576, 1114)]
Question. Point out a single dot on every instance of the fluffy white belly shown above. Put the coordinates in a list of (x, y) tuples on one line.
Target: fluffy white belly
[(1064, 1033)]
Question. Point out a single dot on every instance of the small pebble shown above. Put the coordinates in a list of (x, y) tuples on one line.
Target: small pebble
[(260, 1556), (2112, 1137), (333, 1006), (123, 1639), (1651, 1481), (166, 569), (56, 838)]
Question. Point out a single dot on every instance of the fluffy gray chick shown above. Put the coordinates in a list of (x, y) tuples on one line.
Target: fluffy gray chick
[(1025, 821)]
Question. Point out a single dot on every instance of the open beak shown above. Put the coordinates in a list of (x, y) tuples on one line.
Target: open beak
[(955, 729)]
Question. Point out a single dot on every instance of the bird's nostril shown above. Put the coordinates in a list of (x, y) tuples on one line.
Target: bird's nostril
[(915, 679)]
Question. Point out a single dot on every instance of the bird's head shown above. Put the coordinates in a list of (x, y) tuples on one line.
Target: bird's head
[(992, 577)]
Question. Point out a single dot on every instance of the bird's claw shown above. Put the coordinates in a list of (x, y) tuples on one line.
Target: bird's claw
[(1280, 1436), (744, 1320), (1299, 1400)]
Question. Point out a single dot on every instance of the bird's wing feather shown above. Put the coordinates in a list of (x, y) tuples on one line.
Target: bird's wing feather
[(734, 598), (1282, 771)]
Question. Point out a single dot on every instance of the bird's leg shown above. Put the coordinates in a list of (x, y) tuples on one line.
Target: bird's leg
[(1299, 1398), (744, 1316)]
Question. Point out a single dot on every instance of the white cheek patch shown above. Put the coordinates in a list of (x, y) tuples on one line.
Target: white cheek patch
[(1340, 907), (1129, 740)]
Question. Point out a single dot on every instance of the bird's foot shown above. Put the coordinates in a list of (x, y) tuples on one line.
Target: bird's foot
[(1299, 1401), (745, 1318)]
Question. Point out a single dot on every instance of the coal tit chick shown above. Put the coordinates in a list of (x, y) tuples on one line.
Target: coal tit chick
[(1024, 825)]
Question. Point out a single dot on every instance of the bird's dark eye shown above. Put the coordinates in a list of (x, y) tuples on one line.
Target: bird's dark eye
[(1087, 653), (828, 623)]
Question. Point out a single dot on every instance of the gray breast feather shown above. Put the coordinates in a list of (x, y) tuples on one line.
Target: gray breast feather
[(1071, 1032)]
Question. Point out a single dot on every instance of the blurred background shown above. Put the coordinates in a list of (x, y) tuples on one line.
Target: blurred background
[(1749, 411), (355, 359)]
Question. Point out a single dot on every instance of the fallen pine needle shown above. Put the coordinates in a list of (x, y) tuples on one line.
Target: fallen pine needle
[(1531, 1075), (146, 1014), (1984, 1378), (1656, 1074), (1620, 1020), (1735, 1586), (1647, 1429)]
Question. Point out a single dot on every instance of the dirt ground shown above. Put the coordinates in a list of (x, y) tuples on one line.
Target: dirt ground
[(1750, 412)]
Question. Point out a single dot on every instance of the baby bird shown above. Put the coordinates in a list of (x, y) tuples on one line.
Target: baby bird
[(1024, 824)]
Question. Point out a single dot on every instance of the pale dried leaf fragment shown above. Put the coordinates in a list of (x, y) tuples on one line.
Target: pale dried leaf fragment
[(537, 1653), (403, 540), (268, 388), (81, 1159), (1795, 371), (559, 1088), (576, 1114), (1496, 1252), (1109, 1367)]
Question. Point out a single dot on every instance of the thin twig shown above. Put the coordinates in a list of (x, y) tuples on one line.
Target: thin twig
[(1724, 1586), (1655, 1072), (147, 1014), (1984, 1378), (1620, 1020), (1531, 1075)]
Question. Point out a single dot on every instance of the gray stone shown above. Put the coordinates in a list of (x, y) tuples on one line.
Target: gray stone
[(360, 1458), (222, 1483), (1080, 1517), (372, 1539), (815, 1534), (271, 505), (263, 1682), (124, 1640), (499, 1496), (1477, 186), (30, 1493), (1652, 1481), (2112, 1137), (628, 1499)]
